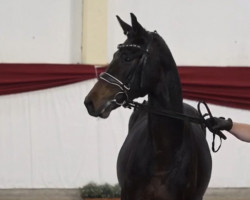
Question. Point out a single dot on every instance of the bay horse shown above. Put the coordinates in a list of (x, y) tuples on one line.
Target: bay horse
[(162, 158)]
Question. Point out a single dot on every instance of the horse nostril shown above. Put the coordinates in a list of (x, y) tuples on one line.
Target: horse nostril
[(89, 105)]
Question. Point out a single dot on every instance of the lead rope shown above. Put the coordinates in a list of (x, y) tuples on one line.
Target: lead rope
[(202, 119)]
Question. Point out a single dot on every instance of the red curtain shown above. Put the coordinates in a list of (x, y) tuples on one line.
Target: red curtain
[(15, 78), (228, 86)]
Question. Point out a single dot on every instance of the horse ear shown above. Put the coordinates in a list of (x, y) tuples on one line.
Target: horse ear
[(125, 27), (137, 27)]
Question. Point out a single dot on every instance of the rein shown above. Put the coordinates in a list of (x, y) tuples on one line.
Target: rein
[(201, 119)]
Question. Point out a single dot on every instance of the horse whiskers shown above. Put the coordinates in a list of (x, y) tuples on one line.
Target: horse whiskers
[(107, 108)]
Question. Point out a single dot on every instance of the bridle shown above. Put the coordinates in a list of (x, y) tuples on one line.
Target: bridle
[(128, 103), (124, 88)]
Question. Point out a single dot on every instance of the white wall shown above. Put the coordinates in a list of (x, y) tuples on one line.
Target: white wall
[(35, 31), (198, 32)]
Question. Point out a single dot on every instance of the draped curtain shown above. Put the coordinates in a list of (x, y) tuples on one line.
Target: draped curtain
[(48, 139), (227, 86)]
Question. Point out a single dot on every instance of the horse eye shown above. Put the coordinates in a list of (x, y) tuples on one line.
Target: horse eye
[(127, 59)]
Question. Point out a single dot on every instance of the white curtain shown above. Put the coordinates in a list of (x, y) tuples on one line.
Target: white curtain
[(48, 140)]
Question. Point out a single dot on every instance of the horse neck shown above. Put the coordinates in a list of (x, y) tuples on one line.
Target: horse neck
[(167, 94), (167, 132)]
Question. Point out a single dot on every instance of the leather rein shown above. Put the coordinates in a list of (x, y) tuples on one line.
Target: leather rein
[(127, 103)]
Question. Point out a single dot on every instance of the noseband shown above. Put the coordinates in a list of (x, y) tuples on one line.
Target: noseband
[(116, 82)]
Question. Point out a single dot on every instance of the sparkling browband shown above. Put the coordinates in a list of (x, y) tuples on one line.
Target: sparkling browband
[(131, 45)]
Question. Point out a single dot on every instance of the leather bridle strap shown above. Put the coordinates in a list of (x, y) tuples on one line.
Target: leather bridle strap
[(113, 81), (116, 82), (107, 77)]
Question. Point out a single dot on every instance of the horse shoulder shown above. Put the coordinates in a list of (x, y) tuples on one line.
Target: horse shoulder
[(135, 155)]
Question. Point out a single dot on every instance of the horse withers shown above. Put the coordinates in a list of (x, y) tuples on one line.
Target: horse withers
[(162, 158)]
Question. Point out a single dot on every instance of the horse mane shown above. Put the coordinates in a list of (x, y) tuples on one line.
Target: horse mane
[(170, 76)]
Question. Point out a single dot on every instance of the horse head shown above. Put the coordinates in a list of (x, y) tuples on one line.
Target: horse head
[(133, 72)]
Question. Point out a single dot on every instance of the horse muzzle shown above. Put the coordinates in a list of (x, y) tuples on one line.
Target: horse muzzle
[(103, 110)]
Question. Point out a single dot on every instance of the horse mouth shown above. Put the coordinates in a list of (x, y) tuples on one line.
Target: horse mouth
[(102, 110), (107, 108)]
